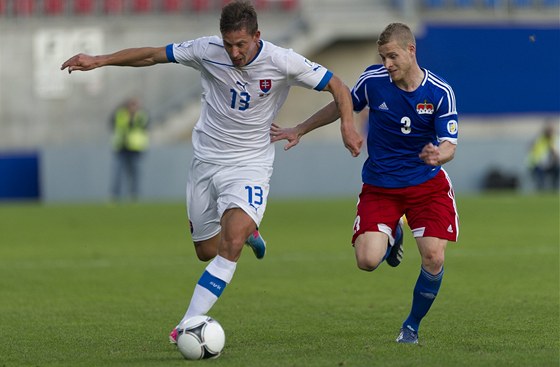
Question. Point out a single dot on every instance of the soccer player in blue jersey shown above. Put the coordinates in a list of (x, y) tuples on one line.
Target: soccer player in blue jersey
[(245, 81), (412, 133)]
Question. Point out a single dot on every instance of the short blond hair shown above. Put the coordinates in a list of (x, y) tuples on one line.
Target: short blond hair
[(398, 32)]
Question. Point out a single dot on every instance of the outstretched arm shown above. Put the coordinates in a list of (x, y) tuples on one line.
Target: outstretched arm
[(341, 108), (143, 56)]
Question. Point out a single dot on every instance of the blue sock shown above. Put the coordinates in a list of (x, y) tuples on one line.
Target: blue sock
[(425, 292)]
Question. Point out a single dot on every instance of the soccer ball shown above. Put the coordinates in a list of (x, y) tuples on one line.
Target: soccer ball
[(200, 337)]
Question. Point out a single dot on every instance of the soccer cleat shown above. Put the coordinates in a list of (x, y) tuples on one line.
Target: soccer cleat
[(407, 336), (257, 243), (173, 335), (396, 255)]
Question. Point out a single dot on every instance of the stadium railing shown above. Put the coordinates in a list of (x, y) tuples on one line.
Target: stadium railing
[(40, 8)]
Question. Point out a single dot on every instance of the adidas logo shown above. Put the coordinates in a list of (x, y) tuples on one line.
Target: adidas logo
[(383, 106), (450, 229)]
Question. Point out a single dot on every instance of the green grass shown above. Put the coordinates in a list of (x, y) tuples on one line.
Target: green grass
[(95, 285)]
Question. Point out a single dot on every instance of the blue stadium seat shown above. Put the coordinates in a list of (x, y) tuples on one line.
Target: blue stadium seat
[(492, 3), (434, 4), (551, 3), (464, 3), (521, 3)]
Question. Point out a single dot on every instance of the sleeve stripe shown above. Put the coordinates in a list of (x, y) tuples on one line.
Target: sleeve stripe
[(169, 53), (448, 91), (323, 83), (378, 73)]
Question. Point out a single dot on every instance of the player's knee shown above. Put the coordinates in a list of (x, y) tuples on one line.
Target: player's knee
[(204, 252), (433, 262), (367, 264)]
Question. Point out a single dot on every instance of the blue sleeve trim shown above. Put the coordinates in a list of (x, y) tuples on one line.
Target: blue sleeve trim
[(324, 81), (213, 284), (169, 53)]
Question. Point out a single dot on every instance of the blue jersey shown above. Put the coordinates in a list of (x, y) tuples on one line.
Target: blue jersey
[(401, 123)]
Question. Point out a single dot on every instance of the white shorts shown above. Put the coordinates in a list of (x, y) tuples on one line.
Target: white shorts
[(212, 189)]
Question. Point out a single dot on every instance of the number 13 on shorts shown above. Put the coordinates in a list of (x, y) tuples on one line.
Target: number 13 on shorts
[(254, 195)]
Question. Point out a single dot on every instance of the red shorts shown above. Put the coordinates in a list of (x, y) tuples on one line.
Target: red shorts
[(429, 207)]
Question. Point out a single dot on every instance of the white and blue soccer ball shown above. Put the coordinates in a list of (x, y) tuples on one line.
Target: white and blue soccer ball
[(200, 337)]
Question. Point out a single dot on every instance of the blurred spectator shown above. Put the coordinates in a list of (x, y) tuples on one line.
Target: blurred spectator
[(130, 139), (543, 159)]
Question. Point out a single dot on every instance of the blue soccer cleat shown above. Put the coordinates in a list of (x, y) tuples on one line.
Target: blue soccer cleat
[(407, 336), (396, 255), (257, 244)]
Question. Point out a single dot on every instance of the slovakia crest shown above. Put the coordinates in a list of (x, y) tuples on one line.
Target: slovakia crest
[(265, 85), (425, 108)]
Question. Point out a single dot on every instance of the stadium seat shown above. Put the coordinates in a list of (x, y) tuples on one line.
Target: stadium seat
[(521, 3), (113, 6), (141, 6), (200, 5), (492, 3), (434, 4), (172, 6), (53, 7), (83, 7), (261, 4), (289, 5), (23, 7), (551, 3), (465, 4)]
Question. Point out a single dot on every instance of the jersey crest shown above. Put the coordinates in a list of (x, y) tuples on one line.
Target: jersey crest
[(425, 108), (265, 85)]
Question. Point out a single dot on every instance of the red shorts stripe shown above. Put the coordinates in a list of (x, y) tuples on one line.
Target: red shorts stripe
[(429, 208)]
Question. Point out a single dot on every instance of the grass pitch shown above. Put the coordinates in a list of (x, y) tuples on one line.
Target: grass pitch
[(95, 285)]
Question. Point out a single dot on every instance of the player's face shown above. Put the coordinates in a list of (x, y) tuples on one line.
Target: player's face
[(396, 59), (241, 46)]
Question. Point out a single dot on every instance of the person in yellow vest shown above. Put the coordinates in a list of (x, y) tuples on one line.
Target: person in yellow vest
[(130, 140), (543, 159)]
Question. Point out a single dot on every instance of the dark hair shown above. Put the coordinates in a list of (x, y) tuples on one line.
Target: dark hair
[(398, 32), (238, 15)]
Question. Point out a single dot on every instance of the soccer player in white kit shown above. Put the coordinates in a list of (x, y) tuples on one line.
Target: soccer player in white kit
[(245, 81)]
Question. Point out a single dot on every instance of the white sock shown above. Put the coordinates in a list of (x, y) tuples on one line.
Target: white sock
[(210, 286)]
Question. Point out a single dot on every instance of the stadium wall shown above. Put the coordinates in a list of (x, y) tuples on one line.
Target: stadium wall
[(313, 169)]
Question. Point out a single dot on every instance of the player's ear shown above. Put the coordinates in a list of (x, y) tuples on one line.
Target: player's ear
[(411, 48)]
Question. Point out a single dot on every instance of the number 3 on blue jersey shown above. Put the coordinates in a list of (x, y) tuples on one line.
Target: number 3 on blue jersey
[(239, 99), (406, 123)]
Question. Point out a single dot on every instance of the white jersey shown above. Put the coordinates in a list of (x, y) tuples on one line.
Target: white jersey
[(239, 105)]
